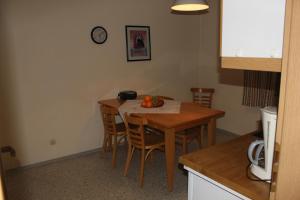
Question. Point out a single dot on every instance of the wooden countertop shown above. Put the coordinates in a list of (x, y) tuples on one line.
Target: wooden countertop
[(227, 163)]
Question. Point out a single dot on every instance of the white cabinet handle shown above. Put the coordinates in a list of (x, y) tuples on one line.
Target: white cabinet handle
[(239, 53)]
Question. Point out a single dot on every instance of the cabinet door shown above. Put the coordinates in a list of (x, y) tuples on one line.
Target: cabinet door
[(288, 181), (205, 188), (252, 29)]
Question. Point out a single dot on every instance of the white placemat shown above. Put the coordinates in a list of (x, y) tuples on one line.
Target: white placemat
[(134, 106)]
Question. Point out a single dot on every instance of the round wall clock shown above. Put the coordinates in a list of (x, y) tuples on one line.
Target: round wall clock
[(99, 35)]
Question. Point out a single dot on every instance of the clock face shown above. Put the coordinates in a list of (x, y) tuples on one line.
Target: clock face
[(99, 35)]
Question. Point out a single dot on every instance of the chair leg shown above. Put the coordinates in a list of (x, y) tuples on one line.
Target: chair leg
[(122, 140), (199, 140), (142, 167), (150, 156), (114, 150), (105, 141), (199, 137), (109, 142), (129, 158), (184, 146)]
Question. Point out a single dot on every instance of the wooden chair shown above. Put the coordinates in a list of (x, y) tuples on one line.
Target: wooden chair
[(114, 132), (137, 139), (183, 138), (204, 97)]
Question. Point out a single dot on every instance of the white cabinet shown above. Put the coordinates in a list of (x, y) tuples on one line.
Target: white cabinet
[(252, 29), (204, 188)]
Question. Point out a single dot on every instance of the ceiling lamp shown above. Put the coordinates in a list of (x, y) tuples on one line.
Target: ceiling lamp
[(190, 5)]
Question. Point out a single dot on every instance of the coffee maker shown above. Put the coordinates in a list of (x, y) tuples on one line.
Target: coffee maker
[(260, 152)]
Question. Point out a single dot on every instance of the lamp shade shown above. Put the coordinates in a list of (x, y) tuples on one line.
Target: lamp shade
[(190, 5)]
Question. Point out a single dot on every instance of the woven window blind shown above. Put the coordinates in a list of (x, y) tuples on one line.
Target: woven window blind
[(261, 89)]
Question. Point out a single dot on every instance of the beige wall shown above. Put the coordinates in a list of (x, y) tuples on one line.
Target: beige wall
[(228, 83), (54, 73)]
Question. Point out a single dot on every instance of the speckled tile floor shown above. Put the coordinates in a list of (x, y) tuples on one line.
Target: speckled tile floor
[(90, 177)]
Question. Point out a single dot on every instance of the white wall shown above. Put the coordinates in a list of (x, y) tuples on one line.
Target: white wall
[(228, 83), (55, 74)]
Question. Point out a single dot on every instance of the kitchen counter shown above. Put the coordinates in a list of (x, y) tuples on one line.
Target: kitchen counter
[(227, 164)]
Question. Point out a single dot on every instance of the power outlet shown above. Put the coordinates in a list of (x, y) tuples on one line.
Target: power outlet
[(52, 142)]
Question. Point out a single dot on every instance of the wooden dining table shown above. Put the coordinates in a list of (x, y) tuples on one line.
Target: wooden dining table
[(190, 115)]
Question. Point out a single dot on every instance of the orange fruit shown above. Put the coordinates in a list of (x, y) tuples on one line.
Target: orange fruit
[(144, 104), (148, 104), (147, 98)]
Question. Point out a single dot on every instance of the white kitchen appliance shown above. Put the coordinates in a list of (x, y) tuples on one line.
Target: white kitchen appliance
[(261, 152)]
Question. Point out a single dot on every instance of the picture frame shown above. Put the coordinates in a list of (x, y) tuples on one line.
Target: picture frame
[(138, 43)]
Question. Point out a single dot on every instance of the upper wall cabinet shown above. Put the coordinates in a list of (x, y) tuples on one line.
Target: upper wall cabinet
[(252, 34)]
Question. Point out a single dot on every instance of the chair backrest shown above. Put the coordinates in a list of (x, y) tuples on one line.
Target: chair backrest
[(203, 96), (135, 131), (108, 117)]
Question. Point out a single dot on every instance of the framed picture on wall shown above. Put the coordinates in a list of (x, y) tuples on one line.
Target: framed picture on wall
[(138, 44)]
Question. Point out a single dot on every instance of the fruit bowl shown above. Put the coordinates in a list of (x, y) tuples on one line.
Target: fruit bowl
[(152, 102), (158, 104)]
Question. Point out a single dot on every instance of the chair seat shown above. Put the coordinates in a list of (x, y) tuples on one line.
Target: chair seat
[(189, 133), (153, 140), (185, 137), (121, 128)]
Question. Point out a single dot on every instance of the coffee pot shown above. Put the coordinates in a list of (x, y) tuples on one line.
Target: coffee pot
[(260, 152)]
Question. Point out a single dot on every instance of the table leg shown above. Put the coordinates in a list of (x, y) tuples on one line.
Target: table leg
[(211, 129), (170, 156)]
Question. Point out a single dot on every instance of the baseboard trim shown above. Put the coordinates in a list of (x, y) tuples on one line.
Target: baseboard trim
[(225, 131), (77, 155), (47, 162)]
